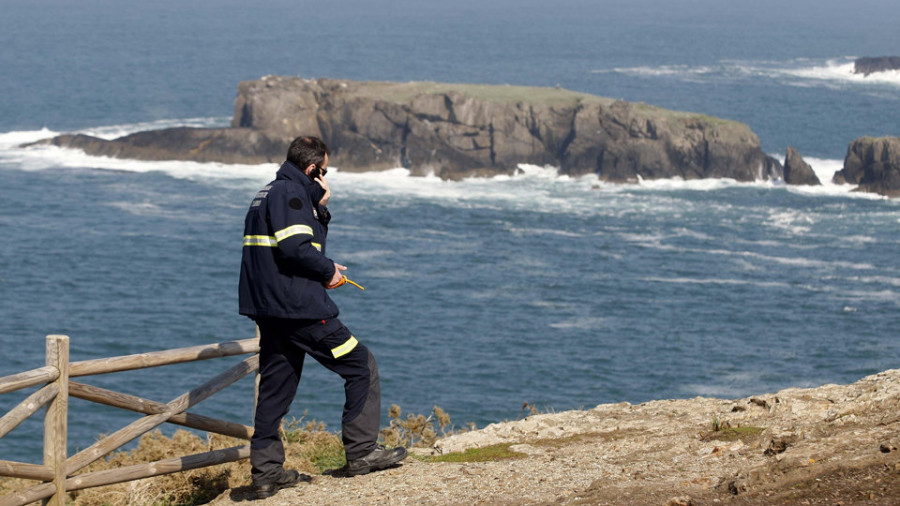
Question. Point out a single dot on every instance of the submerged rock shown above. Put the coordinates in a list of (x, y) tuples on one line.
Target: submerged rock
[(457, 130)]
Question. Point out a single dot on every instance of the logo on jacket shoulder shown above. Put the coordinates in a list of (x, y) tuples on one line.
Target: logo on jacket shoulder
[(257, 200), (295, 203)]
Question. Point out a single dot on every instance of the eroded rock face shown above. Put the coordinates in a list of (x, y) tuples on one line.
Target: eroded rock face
[(868, 66), (873, 164), (459, 130), (797, 171)]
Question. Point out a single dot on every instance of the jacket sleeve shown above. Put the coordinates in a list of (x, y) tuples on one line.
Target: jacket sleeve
[(291, 219)]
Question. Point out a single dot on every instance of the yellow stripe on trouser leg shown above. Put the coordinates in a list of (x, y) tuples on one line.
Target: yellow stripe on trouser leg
[(345, 348)]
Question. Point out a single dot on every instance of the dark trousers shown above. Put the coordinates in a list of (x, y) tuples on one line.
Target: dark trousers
[(283, 346)]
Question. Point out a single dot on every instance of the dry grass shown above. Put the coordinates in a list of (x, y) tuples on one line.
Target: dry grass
[(309, 448), (418, 430)]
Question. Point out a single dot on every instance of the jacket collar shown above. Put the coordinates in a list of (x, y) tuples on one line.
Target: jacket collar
[(290, 171), (293, 173)]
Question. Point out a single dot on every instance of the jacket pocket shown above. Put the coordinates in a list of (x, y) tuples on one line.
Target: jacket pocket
[(333, 337)]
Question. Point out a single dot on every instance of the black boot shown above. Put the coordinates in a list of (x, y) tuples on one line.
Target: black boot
[(380, 458), (284, 480)]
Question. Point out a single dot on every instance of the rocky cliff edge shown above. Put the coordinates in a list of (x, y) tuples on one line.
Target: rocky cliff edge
[(835, 444)]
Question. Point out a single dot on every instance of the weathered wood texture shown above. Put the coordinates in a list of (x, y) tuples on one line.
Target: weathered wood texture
[(178, 405), (27, 471), (165, 357), (26, 408), (57, 468), (149, 407), (56, 420), (129, 473), (29, 495), (27, 379), (168, 466)]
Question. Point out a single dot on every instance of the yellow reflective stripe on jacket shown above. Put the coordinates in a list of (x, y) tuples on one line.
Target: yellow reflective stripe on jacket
[(345, 348), (260, 240), (293, 230), (317, 246)]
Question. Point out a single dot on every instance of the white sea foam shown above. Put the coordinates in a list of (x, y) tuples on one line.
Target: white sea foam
[(539, 188), (10, 140), (46, 157), (582, 323), (116, 131), (841, 70), (718, 281), (831, 72)]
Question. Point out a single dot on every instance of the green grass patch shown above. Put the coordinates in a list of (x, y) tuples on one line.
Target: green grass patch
[(745, 434), (487, 454), (504, 94), (583, 438)]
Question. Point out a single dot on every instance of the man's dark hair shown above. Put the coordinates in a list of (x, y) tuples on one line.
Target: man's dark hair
[(307, 150)]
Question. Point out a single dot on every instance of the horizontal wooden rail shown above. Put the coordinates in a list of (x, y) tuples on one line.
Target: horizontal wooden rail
[(28, 379), (58, 472), (129, 473), (168, 466), (27, 471), (177, 405), (165, 357), (30, 495), (148, 407), (27, 408)]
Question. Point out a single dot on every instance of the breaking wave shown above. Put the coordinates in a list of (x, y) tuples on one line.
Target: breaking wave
[(833, 72), (530, 184)]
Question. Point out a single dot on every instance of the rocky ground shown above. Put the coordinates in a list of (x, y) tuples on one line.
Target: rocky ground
[(836, 444)]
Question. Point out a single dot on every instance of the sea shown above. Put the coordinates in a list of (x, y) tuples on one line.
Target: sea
[(486, 297)]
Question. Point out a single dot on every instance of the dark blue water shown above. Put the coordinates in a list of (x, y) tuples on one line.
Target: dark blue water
[(482, 294)]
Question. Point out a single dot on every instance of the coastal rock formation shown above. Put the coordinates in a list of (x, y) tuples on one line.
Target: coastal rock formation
[(228, 145), (873, 164), (455, 131), (867, 66), (797, 171)]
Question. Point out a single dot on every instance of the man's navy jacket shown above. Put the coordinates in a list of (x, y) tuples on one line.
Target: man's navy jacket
[(283, 267)]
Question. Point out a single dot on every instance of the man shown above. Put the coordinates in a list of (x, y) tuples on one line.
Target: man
[(284, 277)]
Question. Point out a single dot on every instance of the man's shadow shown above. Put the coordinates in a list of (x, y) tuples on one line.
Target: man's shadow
[(246, 493)]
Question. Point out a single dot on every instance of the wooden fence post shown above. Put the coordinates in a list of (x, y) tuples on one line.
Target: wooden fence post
[(56, 418)]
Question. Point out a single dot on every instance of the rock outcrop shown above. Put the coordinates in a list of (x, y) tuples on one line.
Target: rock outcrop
[(867, 66), (455, 130), (797, 171), (873, 164), (228, 145)]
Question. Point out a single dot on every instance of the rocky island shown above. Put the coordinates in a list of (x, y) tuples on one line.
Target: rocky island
[(456, 130), (462, 130)]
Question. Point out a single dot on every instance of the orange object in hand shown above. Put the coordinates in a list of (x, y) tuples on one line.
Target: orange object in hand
[(344, 279)]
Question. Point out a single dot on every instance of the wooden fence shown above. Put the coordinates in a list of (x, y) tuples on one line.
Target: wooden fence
[(58, 472)]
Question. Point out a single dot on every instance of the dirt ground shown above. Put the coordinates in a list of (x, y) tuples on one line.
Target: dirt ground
[(836, 444)]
